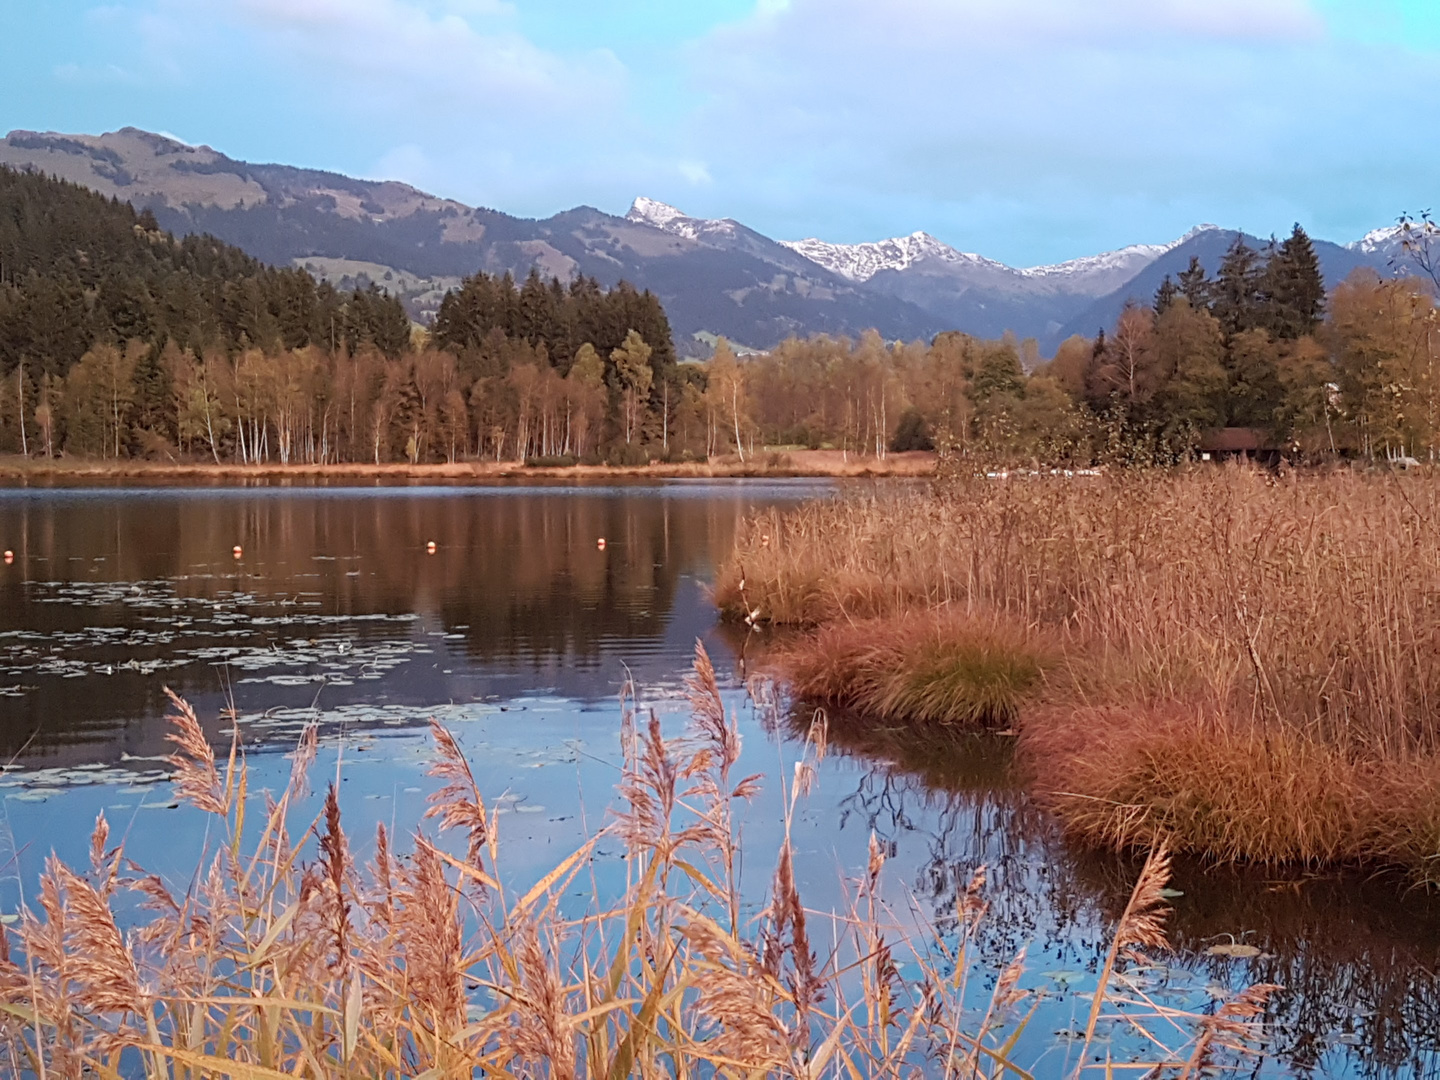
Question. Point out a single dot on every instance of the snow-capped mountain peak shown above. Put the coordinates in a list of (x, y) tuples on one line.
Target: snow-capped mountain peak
[(1128, 261), (1135, 255), (1376, 240), (654, 212), (861, 262), (1196, 231), (675, 221), (1391, 239)]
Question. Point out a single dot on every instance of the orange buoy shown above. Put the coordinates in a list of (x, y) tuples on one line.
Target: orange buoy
[(9, 555), (600, 543), (237, 551), (430, 547)]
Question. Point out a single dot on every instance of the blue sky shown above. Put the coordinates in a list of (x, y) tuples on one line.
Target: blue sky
[(1028, 130)]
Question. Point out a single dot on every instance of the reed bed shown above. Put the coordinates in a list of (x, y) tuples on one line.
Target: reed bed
[(1280, 636), (288, 956)]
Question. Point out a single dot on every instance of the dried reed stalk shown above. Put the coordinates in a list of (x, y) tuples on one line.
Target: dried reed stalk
[(299, 959)]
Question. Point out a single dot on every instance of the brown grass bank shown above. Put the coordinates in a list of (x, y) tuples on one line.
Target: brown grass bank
[(1249, 666), (779, 463)]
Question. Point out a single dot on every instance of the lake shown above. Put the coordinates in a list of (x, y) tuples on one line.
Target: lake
[(518, 632)]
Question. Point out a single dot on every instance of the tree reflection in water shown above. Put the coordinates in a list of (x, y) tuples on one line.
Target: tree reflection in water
[(516, 594)]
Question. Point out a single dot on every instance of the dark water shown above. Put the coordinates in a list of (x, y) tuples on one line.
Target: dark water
[(518, 633)]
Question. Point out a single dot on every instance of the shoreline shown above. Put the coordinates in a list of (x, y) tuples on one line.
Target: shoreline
[(816, 464)]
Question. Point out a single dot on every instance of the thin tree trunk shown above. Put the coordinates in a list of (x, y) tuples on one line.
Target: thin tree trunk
[(735, 415), (20, 401)]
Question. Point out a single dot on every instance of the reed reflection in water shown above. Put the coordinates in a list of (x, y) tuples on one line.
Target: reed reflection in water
[(1359, 958), (518, 632)]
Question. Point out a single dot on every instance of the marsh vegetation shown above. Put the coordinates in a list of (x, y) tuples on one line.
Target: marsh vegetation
[(1243, 666)]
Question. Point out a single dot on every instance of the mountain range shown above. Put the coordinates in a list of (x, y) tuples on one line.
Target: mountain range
[(715, 277)]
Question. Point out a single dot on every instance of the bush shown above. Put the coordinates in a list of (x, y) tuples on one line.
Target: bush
[(552, 461), (627, 456), (777, 460), (912, 433)]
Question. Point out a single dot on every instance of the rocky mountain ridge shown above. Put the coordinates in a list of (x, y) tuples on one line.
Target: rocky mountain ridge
[(715, 276)]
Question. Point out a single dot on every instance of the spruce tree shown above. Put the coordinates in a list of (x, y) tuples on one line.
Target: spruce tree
[(1195, 285), (1165, 295), (1294, 287), (1238, 302)]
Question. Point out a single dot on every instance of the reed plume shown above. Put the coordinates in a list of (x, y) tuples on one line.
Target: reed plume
[(298, 958)]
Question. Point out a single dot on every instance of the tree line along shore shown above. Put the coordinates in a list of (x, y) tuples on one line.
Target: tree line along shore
[(773, 462), (1221, 661), (120, 343)]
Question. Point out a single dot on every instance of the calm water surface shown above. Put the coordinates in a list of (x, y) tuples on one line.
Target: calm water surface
[(518, 633)]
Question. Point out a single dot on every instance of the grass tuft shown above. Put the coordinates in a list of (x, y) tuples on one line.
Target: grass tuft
[(1229, 788), (937, 668)]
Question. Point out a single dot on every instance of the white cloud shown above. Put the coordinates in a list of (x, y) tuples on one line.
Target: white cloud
[(1039, 129), (446, 56), (696, 172), (450, 95)]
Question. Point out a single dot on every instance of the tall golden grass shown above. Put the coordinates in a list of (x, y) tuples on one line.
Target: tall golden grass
[(288, 956), (1248, 665)]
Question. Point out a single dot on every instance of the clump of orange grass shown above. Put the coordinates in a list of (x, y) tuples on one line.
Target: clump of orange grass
[(1231, 788), (938, 667), (1241, 661), (289, 956)]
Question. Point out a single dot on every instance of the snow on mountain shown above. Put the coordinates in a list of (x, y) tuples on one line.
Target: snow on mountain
[(646, 211), (1130, 258), (1391, 239), (1094, 274), (654, 212), (861, 262), (1111, 268), (1376, 240)]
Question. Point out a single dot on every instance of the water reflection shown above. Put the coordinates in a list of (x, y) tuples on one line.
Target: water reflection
[(517, 632), (1359, 958), (113, 596)]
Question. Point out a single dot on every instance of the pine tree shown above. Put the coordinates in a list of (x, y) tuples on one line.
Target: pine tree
[(1294, 288), (1238, 302), (1165, 295)]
